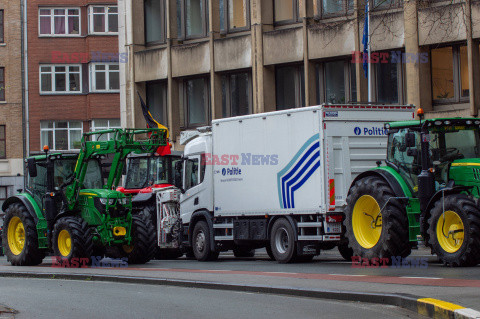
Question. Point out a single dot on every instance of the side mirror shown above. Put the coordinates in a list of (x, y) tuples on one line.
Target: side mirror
[(32, 167), (410, 139)]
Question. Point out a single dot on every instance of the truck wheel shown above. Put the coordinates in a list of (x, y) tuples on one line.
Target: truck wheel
[(201, 243), (241, 252), (455, 233), (268, 248), (72, 239), (282, 241), (346, 252), (372, 233), (19, 237), (144, 243)]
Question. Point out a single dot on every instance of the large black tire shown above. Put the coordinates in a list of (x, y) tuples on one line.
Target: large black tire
[(72, 239), (144, 241), (282, 241), (345, 251), (201, 243), (268, 248), (393, 240), (30, 255), (242, 252), (468, 252)]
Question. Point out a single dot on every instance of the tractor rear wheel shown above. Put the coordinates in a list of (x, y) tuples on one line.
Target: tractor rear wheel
[(454, 230), (72, 239), (19, 237), (144, 241), (371, 232)]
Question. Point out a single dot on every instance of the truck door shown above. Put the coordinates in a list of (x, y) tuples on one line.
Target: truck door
[(193, 175)]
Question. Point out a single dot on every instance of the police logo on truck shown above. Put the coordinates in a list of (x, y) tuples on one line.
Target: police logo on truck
[(370, 131), (357, 131)]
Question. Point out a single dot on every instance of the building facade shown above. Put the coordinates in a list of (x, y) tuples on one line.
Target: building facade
[(73, 71), (11, 133), (198, 60)]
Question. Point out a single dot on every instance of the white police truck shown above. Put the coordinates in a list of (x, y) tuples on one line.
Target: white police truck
[(277, 180)]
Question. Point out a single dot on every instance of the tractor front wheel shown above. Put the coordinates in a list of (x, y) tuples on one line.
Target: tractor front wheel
[(19, 237), (371, 231), (72, 240), (454, 230), (144, 241)]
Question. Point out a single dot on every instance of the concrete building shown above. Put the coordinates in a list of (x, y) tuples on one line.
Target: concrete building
[(198, 60), (11, 137), (72, 72)]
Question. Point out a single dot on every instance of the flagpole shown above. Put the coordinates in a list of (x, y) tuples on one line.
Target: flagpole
[(369, 79)]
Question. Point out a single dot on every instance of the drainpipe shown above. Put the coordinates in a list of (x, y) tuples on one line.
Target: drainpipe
[(25, 115)]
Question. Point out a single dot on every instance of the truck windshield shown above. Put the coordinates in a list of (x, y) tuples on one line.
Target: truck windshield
[(143, 172)]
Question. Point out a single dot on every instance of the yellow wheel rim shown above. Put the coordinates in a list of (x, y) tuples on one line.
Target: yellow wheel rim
[(127, 248), (64, 242), (450, 231), (16, 235), (367, 221)]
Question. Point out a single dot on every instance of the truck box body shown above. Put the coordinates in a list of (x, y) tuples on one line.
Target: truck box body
[(298, 161)]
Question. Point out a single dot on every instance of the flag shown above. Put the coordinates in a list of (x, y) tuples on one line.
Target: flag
[(152, 123), (365, 41)]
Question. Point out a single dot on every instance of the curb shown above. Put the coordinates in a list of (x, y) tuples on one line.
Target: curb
[(429, 307)]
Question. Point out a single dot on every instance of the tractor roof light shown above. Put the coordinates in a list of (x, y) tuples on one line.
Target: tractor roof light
[(477, 122), (468, 122), (46, 148), (447, 122), (438, 122)]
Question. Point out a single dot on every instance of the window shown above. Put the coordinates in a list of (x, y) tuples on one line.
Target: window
[(191, 18), (157, 101), (385, 4), (191, 173), (450, 74), (60, 79), (154, 21), (2, 84), (234, 15), (335, 7), (102, 124), (2, 28), (3, 142), (236, 94), (389, 81), (59, 21), (3, 195), (290, 87), (338, 82), (105, 77), (103, 20), (61, 136), (285, 11), (196, 102)]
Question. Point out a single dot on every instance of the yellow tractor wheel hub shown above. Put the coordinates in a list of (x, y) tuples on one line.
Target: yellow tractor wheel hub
[(450, 231), (367, 221), (64, 242), (16, 235)]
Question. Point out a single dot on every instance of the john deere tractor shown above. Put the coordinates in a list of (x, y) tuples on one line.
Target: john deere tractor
[(430, 186), (67, 210)]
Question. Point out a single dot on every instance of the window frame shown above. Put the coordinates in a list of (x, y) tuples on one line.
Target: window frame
[(67, 76), (94, 128), (296, 11), (344, 12), (164, 88), (228, 102), (401, 75), (322, 80), (93, 77), (52, 16), (54, 129), (226, 18), (4, 140), (163, 15), (457, 82), (182, 34), (207, 101), (91, 14), (4, 87), (2, 26), (299, 99), (394, 5)]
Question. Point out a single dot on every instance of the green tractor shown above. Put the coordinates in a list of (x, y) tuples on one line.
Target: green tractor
[(67, 210), (430, 186)]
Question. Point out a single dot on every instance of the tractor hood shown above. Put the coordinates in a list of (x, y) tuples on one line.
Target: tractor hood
[(102, 193), (465, 171)]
